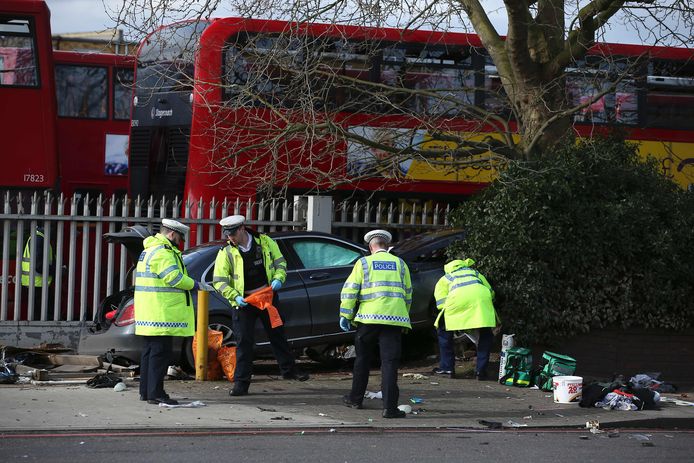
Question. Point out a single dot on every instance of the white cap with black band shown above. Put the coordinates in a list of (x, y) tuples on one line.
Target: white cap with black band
[(385, 235), (176, 226), (231, 223)]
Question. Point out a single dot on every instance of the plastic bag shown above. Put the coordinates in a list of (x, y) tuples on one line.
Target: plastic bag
[(227, 358), (214, 343)]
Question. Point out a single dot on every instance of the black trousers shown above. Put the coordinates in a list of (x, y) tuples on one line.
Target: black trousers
[(244, 330), (155, 360), (389, 339)]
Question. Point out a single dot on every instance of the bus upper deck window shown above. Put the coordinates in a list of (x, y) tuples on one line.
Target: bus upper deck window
[(17, 54)]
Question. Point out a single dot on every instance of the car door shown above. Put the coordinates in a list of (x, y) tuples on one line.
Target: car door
[(324, 262)]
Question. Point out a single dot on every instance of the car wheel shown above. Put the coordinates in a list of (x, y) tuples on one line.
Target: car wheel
[(216, 322)]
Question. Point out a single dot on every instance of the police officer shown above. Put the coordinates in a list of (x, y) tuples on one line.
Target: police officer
[(377, 297), (163, 306), (249, 262), (37, 259), (464, 299)]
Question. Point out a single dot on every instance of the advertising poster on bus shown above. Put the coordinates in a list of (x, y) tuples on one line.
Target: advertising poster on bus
[(434, 159), (116, 158)]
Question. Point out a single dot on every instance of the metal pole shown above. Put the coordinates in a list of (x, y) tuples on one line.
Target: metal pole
[(201, 336), (47, 258), (84, 271), (98, 264), (6, 262), (19, 252), (59, 251), (72, 257)]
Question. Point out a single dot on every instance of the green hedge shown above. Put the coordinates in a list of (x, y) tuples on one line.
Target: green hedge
[(587, 239)]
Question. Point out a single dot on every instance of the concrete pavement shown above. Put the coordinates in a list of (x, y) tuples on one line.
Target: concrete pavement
[(276, 404)]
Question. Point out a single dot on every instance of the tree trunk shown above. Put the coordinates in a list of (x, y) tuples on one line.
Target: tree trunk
[(541, 118)]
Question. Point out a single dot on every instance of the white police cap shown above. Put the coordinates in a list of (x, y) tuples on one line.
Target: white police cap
[(378, 234), (231, 222), (176, 226)]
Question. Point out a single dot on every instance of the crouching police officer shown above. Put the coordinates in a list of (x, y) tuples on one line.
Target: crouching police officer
[(252, 261), (464, 298), (163, 306), (380, 284)]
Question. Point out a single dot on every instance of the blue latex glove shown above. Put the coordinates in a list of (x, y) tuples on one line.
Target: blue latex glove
[(241, 301), (276, 284), (196, 285), (344, 324)]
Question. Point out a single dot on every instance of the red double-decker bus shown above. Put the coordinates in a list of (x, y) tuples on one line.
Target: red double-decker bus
[(93, 94), (66, 115), (27, 92), (214, 100)]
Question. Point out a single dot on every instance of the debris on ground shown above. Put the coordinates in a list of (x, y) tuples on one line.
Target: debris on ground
[(513, 424), (491, 424), (120, 387), (194, 404), (675, 401), (373, 395), (405, 408), (53, 364), (416, 400), (651, 381), (414, 376)]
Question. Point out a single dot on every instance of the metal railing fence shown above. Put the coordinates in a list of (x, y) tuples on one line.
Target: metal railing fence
[(84, 268)]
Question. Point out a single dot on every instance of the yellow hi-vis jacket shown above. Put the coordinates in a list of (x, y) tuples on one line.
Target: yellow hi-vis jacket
[(228, 267), (163, 304), (380, 284), (26, 263), (464, 297)]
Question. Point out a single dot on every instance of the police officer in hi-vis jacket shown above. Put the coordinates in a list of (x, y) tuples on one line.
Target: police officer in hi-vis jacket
[(250, 262), (163, 306), (465, 301), (376, 298)]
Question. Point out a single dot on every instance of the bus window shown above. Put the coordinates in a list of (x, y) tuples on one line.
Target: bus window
[(264, 70), (605, 87), (443, 77), (122, 93), (17, 54), (258, 71), (81, 91), (495, 99), (670, 98), (618, 104)]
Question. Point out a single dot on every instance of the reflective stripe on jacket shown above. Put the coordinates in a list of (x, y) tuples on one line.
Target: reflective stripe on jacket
[(380, 285), (464, 298), (26, 262), (228, 267), (163, 304)]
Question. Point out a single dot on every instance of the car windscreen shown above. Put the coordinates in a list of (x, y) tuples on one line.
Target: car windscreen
[(415, 245)]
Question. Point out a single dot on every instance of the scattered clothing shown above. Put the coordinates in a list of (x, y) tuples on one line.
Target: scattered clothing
[(617, 401), (650, 381)]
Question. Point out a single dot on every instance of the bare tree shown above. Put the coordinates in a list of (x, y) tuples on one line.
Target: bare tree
[(306, 85)]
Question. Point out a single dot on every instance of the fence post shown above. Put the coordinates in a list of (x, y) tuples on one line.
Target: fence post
[(6, 261), (319, 214)]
